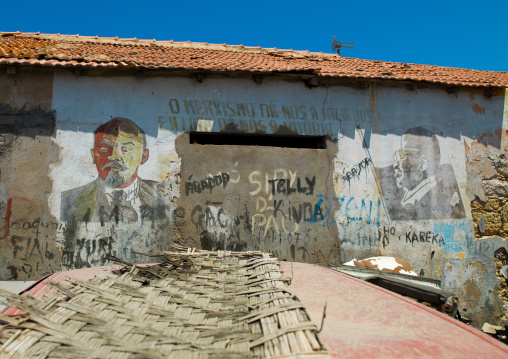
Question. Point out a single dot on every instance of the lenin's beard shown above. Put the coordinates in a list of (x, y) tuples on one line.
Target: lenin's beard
[(115, 179)]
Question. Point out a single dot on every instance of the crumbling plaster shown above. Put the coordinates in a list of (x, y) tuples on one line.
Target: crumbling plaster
[(324, 206)]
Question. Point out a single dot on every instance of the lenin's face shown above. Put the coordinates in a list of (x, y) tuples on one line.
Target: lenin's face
[(117, 155)]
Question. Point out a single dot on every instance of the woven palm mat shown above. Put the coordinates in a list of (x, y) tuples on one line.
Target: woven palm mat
[(193, 304)]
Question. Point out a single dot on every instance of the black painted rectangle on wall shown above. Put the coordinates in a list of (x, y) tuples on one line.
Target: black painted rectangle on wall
[(243, 139)]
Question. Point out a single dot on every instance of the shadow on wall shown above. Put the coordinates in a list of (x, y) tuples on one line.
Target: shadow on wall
[(465, 113), (28, 229)]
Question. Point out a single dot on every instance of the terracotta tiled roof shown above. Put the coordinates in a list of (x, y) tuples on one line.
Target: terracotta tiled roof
[(95, 52)]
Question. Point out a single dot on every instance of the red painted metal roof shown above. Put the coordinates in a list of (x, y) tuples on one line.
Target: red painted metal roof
[(366, 321), (31, 49), (362, 320)]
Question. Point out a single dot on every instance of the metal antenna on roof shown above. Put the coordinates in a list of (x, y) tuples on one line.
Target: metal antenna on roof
[(337, 45)]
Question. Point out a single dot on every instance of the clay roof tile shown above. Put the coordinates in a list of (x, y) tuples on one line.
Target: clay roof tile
[(60, 50)]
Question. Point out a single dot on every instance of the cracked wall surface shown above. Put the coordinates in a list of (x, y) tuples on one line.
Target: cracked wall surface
[(96, 165), (27, 150), (487, 171), (487, 189)]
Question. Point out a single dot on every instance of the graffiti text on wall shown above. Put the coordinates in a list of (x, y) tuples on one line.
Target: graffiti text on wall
[(246, 110), (207, 184), (355, 171), (185, 115), (30, 240), (447, 230)]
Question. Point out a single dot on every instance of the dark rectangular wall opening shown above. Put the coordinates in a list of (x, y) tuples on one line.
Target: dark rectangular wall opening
[(244, 139)]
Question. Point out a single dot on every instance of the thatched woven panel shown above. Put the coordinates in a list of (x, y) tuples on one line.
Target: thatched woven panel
[(193, 304)]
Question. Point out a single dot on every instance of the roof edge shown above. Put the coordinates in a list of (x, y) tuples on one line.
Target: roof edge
[(167, 43)]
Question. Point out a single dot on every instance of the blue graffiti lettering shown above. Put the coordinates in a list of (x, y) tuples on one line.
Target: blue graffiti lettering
[(447, 230), (349, 212)]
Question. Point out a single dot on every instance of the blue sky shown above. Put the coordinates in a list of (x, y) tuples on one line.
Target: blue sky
[(467, 34)]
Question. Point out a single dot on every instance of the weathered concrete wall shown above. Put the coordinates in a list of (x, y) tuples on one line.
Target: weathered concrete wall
[(257, 198), (250, 207), (427, 208), (27, 125), (104, 165)]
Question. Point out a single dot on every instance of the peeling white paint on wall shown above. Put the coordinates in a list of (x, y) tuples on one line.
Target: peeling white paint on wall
[(399, 182)]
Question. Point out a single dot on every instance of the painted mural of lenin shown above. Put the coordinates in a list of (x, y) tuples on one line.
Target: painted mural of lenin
[(117, 193)]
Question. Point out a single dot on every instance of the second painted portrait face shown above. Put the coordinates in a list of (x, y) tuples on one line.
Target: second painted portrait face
[(119, 149)]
